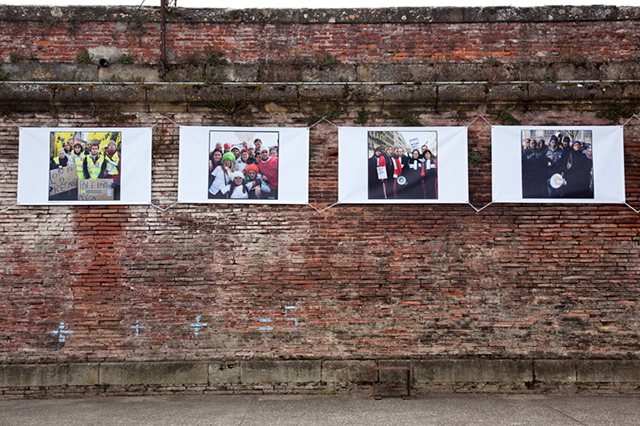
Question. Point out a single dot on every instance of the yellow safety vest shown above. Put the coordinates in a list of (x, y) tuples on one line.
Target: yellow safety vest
[(94, 168), (79, 161), (112, 163)]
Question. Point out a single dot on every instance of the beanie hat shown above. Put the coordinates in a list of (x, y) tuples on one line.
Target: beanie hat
[(229, 156), (251, 167), (237, 174)]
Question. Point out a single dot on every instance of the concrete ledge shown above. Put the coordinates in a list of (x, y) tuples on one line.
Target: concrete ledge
[(134, 373), (608, 371), (555, 371), (399, 15), (346, 372), (281, 371), (474, 370), (448, 375), (33, 375)]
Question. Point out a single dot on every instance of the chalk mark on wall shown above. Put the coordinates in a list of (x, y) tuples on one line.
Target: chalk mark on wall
[(287, 317), (137, 327), (267, 327), (286, 313), (197, 325), (61, 333)]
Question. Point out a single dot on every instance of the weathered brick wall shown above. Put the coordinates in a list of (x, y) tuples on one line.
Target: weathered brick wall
[(368, 282)]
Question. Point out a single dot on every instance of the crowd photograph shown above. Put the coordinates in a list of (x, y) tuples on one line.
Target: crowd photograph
[(83, 156), (403, 165), (243, 165), (557, 164)]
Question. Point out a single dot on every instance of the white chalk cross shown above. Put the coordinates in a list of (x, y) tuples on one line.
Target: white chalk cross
[(61, 333), (197, 325), (137, 327)]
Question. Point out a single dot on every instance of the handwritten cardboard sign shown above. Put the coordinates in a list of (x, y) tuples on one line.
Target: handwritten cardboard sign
[(95, 189), (62, 180)]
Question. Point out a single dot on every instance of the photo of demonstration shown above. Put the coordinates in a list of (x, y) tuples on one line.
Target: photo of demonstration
[(243, 165), (85, 166), (403, 165), (557, 164)]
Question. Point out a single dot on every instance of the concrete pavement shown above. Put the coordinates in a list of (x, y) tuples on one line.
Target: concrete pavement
[(246, 410)]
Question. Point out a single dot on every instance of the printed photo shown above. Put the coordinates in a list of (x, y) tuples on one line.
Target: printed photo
[(85, 166), (243, 165), (403, 165), (557, 164)]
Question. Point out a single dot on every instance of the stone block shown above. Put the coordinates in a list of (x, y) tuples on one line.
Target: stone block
[(47, 71), (170, 98), (135, 73), (423, 95), (281, 371), (506, 93), (83, 374), (394, 375), (347, 371), (554, 371), (130, 97), (224, 372), (284, 94), (30, 375), (150, 373), (470, 371), (608, 371), (26, 97), (366, 94), (461, 94)]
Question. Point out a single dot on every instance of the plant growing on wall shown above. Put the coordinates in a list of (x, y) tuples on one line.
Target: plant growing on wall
[(4, 76), (505, 117), (83, 57), (616, 111), (407, 118), (230, 106)]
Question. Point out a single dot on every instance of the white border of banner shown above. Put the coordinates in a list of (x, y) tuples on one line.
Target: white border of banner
[(453, 171), (293, 165), (33, 165), (608, 164)]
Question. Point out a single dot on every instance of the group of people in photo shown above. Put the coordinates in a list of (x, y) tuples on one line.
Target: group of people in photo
[(90, 161), (561, 167), (396, 174), (243, 171)]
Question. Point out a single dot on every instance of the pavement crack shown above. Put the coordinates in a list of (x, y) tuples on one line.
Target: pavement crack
[(565, 414), (246, 411)]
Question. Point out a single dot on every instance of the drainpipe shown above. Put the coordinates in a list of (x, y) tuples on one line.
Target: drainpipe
[(163, 36)]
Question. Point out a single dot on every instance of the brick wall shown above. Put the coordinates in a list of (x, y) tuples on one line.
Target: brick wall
[(368, 282)]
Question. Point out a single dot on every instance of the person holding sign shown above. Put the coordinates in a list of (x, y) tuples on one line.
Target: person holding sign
[(377, 175), (60, 161), (112, 158), (77, 157), (94, 165)]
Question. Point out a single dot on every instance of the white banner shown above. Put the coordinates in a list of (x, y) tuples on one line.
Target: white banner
[(243, 165), (568, 164), (375, 167), (53, 162)]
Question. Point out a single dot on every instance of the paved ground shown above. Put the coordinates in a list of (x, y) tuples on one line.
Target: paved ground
[(325, 410)]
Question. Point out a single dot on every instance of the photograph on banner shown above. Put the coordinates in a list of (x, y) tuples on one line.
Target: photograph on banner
[(557, 164), (402, 165), (85, 166), (243, 165)]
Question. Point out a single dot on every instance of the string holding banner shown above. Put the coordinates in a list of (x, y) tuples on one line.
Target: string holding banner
[(12, 122), (477, 118), (326, 208), (162, 209), (321, 120), (7, 208), (631, 118), (478, 210)]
